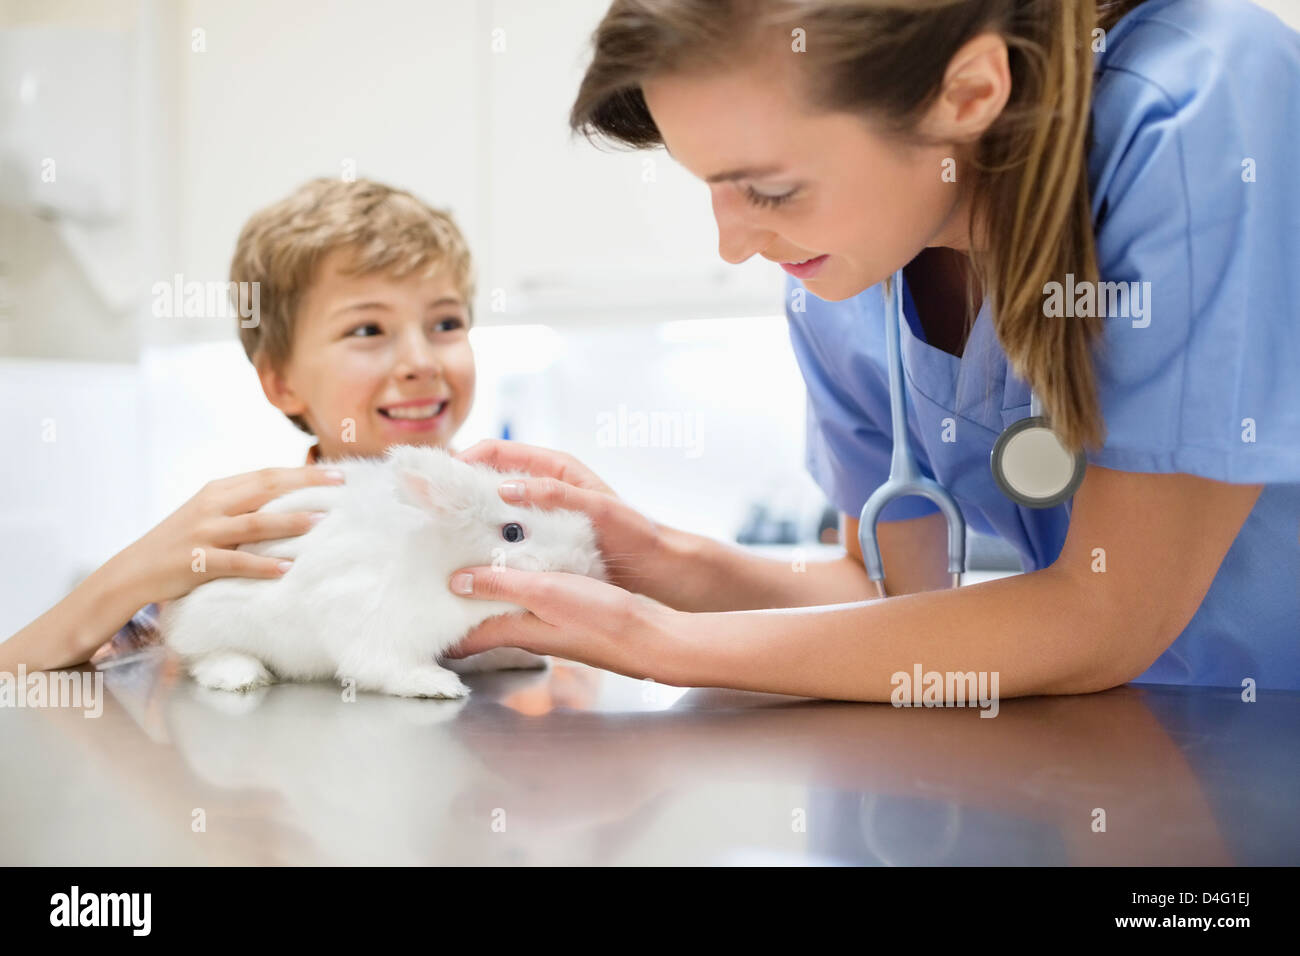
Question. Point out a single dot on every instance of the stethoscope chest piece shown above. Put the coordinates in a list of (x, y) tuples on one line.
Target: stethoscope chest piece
[(1032, 467)]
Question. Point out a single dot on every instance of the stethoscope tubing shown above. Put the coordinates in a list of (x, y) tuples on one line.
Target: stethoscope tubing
[(905, 477)]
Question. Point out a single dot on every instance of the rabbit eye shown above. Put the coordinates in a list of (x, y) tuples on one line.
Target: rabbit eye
[(512, 532)]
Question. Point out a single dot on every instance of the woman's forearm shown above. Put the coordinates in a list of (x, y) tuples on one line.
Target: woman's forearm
[(695, 573), (69, 632), (1044, 632)]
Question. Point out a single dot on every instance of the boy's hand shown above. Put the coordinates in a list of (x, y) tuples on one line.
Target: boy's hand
[(222, 516)]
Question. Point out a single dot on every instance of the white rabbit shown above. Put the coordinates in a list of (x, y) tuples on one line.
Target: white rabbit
[(367, 596)]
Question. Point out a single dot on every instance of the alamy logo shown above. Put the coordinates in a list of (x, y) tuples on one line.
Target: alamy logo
[(208, 300), (1107, 299), (654, 429), (102, 909), (946, 689), (53, 689)]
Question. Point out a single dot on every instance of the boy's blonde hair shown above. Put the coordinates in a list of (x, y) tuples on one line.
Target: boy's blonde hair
[(387, 230)]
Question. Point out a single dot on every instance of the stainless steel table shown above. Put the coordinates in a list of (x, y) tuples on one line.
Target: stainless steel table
[(574, 765)]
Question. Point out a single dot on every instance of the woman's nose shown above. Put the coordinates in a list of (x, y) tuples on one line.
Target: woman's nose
[(738, 238)]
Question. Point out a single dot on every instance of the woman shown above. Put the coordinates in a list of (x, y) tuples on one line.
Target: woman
[(995, 150)]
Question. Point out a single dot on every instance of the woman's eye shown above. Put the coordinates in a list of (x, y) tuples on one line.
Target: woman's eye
[(512, 532), (450, 324), (368, 325), (768, 200)]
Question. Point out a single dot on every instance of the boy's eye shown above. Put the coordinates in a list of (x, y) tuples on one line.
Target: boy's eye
[(512, 532), (371, 329), (768, 200)]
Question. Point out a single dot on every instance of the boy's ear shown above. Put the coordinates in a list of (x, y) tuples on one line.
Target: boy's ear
[(431, 480), (276, 389)]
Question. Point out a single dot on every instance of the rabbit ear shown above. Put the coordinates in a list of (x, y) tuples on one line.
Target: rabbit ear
[(433, 481)]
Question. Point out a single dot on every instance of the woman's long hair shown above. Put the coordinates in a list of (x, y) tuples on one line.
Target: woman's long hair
[(1028, 181)]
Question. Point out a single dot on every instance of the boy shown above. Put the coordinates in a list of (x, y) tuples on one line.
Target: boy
[(361, 339)]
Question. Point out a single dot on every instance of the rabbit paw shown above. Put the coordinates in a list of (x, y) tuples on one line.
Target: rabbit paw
[(427, 680), (230, 670)]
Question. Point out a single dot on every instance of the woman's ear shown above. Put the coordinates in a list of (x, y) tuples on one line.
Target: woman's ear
[(976, 87)]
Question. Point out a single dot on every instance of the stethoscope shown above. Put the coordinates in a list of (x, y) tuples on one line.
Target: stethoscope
[(1029, 463)]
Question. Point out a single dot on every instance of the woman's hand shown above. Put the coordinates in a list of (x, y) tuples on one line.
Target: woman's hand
[(633, 546), (577, 618), (219, 518)]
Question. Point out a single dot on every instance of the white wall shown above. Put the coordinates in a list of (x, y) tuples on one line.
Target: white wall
[(70, 493)]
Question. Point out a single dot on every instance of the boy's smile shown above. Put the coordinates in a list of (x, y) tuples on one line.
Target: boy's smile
[(377, 361)]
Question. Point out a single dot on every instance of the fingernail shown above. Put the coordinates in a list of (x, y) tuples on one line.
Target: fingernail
[(512, 490), (333, 474), (284, 566), (462, 583), (316, 516)]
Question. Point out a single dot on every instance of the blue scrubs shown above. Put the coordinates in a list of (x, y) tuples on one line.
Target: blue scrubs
[(1193, 172)]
